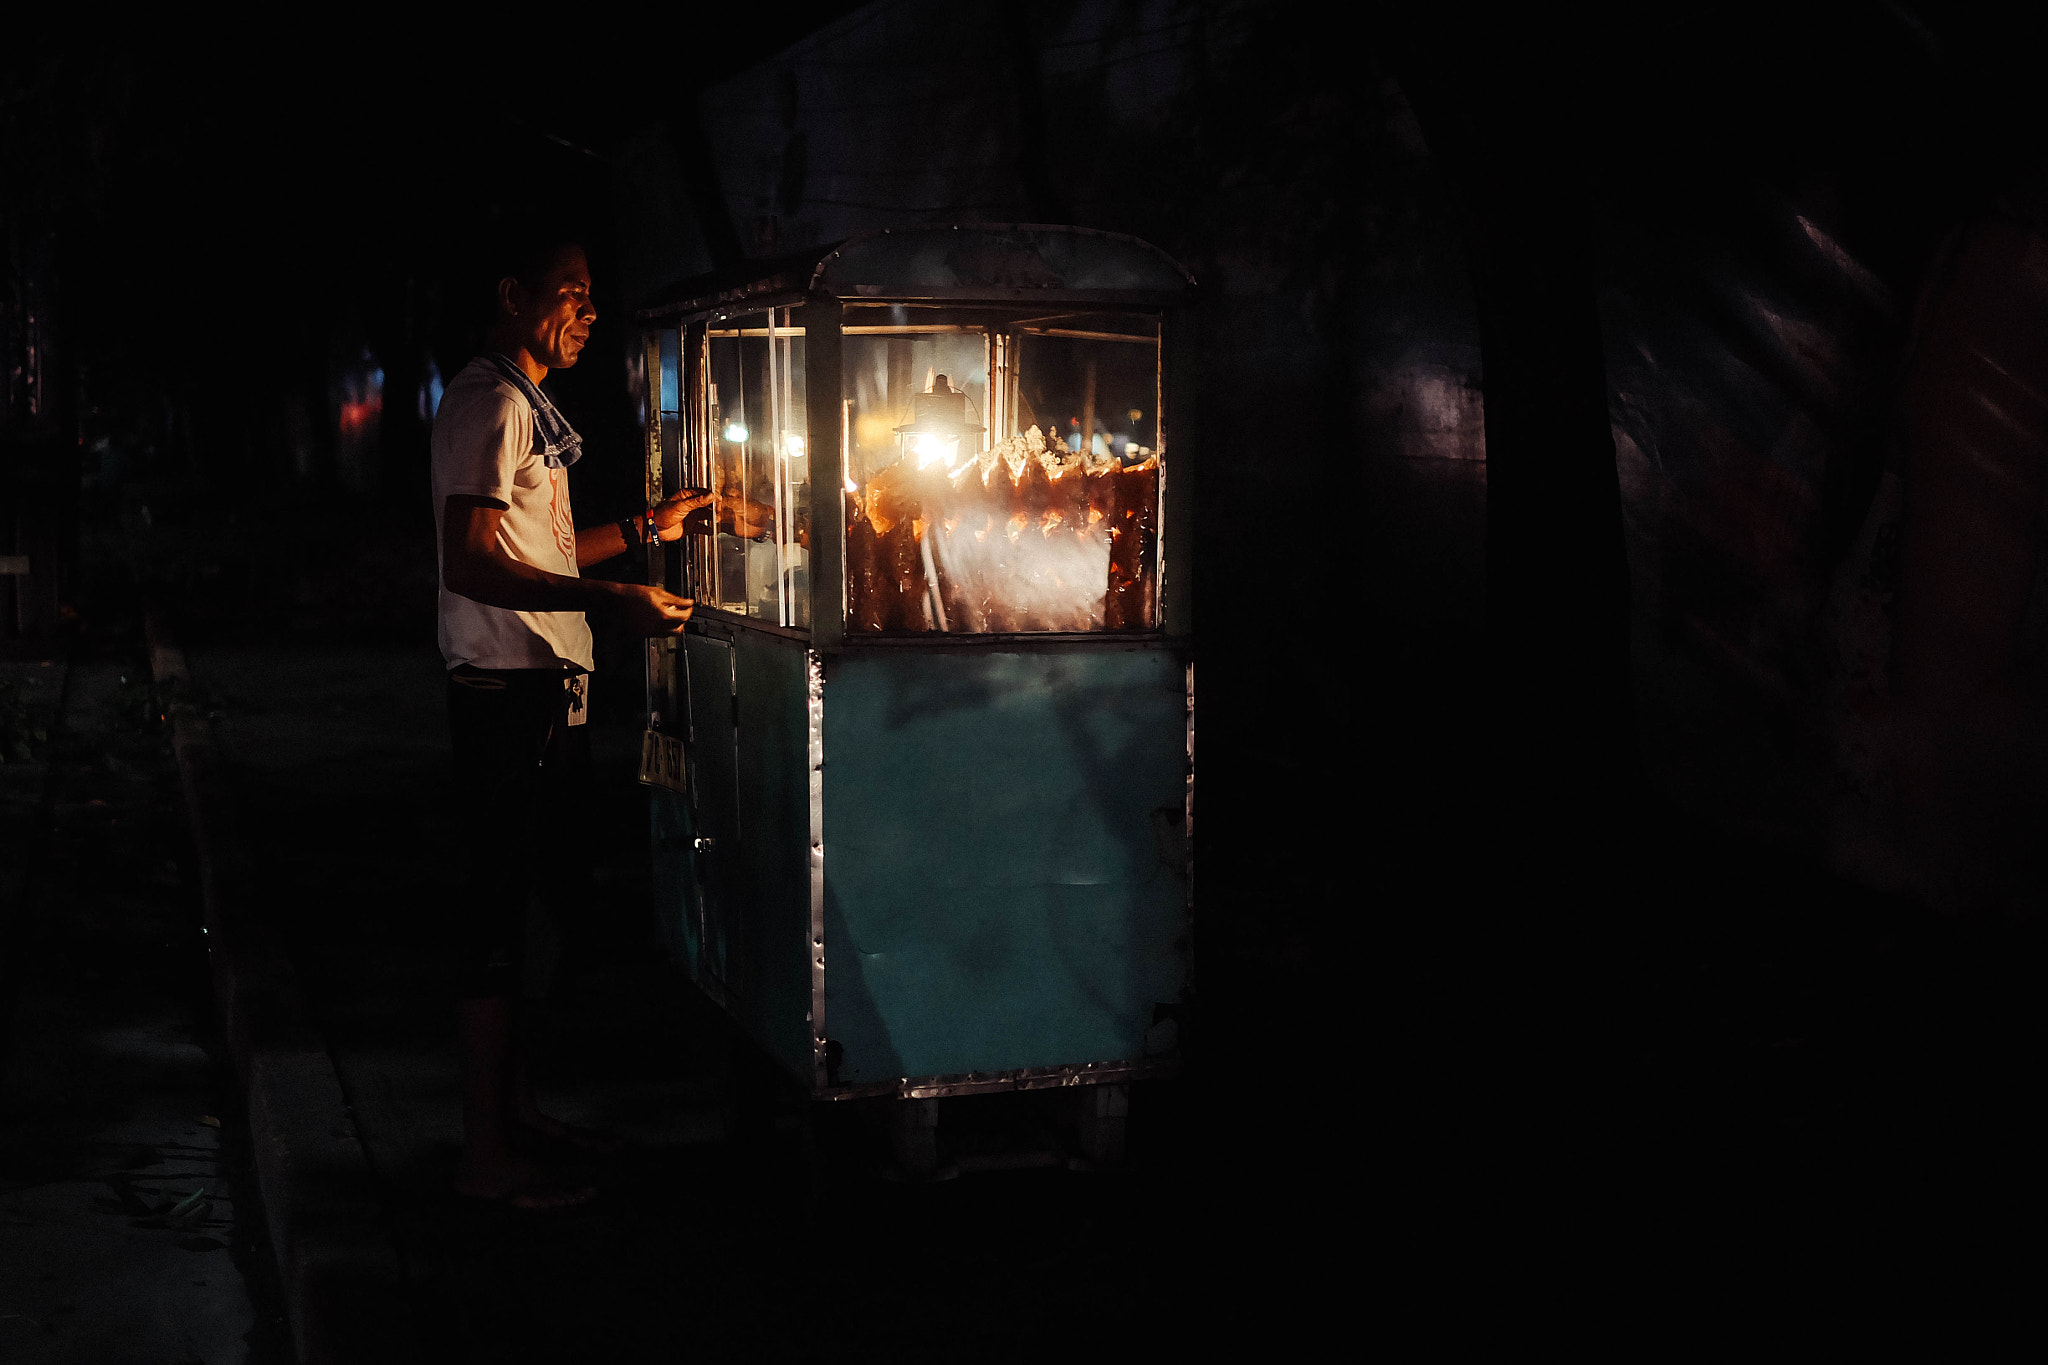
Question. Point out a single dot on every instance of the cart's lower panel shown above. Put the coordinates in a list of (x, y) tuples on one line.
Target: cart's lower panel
[(731, 867), (1004, 868)]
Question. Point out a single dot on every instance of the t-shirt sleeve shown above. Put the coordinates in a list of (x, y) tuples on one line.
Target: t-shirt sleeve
[(483, 448)]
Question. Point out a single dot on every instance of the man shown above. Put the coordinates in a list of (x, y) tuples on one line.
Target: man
[(518, 649)]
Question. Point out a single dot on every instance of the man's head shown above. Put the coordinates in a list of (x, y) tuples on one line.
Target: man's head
[(543, 306)]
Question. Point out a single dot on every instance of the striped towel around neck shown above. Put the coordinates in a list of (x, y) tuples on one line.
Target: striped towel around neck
[(554, 440)]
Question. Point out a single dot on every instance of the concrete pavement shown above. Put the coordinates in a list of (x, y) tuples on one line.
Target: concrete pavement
[(130, 1228)]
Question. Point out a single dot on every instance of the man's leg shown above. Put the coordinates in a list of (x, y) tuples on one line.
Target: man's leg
[(500, 723), (492, 1165), (565, 887)]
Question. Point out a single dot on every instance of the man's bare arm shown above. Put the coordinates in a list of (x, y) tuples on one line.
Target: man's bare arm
[(596, 544), (474, 566)]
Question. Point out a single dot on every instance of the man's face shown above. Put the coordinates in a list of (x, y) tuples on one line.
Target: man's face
[(554, 316)]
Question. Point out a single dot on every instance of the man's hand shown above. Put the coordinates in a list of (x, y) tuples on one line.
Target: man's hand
[(675, 509), (647, 612), (685, 512)]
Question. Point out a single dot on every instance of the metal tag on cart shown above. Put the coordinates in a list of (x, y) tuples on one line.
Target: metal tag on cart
[(661, 760)]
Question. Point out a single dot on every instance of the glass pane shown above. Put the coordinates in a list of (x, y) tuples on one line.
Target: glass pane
[(666, 388), (1002, 471), (760, 469)]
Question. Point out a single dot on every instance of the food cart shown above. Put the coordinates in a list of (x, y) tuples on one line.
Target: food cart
[(925, 819)]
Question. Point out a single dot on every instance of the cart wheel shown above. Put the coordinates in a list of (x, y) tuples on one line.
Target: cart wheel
[(1103, 1114), (914, 1138)]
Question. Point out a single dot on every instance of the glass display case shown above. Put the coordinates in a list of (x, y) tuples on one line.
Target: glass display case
[(936, 701), (1002, 475)]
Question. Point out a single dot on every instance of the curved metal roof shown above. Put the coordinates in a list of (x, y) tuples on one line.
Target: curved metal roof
[(998, 259), (950, 261)]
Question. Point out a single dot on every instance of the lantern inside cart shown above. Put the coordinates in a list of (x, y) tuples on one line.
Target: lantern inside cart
[(938, 426), (936, 435), (936, 700)]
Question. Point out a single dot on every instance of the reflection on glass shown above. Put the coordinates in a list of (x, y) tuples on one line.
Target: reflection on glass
[(760, 470), (665, 389), (1002, 473)]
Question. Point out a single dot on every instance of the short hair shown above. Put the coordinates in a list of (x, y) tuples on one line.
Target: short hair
[(521, 251)]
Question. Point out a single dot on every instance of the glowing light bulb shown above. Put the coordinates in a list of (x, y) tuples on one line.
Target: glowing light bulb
[(930, 448), (793, 446), (735, 432)]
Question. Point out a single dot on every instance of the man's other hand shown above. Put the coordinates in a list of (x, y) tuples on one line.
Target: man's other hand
[(673, 511), (648, 611)]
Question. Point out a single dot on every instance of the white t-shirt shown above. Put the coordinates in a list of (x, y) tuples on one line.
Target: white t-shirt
[(483, 445)]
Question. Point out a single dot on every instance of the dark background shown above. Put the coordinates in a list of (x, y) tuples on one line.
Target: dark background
[(1526, 647)]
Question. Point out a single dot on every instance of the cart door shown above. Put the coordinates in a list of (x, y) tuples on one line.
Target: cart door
[(713, 797)]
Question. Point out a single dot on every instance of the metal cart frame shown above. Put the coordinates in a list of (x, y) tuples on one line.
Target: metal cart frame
[(818, 719)]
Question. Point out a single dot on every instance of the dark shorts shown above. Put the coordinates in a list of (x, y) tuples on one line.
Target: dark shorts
[(520, 796)]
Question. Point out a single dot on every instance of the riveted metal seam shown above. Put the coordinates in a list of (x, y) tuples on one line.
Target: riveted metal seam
[(814, 670)]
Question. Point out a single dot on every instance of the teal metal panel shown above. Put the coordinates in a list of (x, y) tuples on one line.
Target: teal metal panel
[(769, 970), (1003, 884)]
